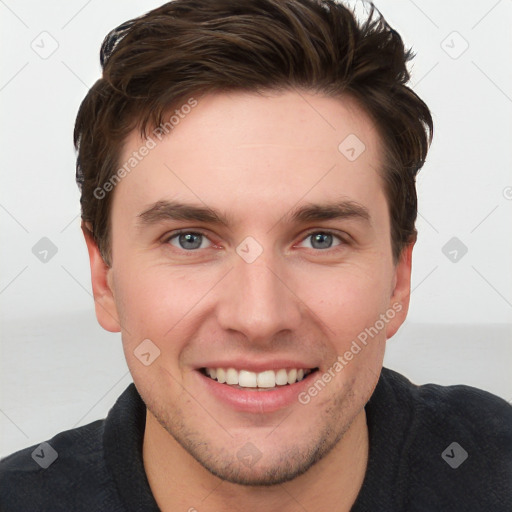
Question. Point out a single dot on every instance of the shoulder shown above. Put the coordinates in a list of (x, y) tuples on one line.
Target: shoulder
[(462, 410), (57, 474), (458, 444), (466, 407)]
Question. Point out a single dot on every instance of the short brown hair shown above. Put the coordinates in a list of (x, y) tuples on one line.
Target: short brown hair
[(154, 62)]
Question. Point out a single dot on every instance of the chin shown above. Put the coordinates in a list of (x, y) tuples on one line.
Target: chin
[(252, 460), (259, 471)]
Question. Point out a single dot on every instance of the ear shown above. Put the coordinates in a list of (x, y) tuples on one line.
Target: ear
[(106, 310), (401, 290)]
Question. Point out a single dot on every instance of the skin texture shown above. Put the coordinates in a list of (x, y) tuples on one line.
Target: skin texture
[(254, 158)]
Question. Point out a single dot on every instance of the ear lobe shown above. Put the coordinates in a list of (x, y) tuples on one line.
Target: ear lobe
[(106, 310), (401, 293)]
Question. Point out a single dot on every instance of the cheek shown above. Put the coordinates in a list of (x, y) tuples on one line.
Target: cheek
[(152, 304), (159, 302), (348, 300), (350, 306)]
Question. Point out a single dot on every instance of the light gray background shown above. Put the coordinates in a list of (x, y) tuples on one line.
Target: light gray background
[(59, 369)]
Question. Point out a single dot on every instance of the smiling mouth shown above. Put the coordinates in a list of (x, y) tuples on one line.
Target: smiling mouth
[(266, 380)]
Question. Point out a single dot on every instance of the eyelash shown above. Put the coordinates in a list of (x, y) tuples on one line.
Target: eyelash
[(343, 241)]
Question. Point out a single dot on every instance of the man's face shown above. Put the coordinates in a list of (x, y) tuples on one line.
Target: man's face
[(268, 290)]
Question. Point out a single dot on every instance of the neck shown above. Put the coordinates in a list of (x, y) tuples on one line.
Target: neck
[(179, 482)]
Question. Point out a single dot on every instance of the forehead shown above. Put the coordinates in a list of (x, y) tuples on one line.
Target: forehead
[(248, 148)]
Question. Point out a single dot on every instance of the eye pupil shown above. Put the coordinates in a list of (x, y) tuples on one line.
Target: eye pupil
[(324, 239), (190, 240)]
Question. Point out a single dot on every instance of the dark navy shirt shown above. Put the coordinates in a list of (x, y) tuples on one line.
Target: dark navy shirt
[(432, 449)]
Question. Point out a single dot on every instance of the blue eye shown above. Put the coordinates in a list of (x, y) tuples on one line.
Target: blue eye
[(323, 240), (188, 240), (192, 241)]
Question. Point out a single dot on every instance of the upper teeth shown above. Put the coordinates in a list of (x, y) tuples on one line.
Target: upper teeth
[(265, 379)]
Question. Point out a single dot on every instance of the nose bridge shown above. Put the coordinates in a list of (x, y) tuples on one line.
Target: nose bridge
[(258, 302)]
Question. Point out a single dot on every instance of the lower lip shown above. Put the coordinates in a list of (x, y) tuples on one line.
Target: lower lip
[(257, 401)]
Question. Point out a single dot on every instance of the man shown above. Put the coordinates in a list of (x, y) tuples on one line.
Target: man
[(248, 201)]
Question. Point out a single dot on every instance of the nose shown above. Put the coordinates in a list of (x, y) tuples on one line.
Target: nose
[(259, 300)]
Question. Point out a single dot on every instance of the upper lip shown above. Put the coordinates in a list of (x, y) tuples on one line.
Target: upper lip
[(259, 366)]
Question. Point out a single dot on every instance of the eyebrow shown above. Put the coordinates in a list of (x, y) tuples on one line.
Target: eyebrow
[(174, 210)]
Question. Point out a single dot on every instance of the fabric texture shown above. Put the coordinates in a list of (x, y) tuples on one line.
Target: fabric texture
[(432, 449)]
